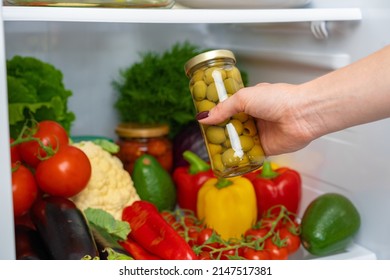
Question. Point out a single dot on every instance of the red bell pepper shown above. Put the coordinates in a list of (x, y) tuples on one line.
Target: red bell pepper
[(136, 250), (273, 187), (189, 179), (150, 230)]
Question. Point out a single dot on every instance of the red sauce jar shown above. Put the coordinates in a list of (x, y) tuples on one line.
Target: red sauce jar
[(138, 139)]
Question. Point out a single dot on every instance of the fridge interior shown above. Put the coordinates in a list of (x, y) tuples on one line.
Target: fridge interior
[(90, 53)]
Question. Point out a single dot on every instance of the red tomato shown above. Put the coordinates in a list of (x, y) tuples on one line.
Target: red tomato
[(293, 241), (276, 252), (253, 233), (204, 255), (24, 190), (15, 153), (252, 254), (51, 134), (64, 174), (203, 235)]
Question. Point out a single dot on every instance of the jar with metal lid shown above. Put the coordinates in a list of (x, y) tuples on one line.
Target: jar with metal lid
[(138, 139), (234, 147)]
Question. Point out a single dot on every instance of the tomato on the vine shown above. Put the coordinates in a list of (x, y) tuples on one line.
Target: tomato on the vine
[(252, 254), (256, 233), (275, 252), (51, 134), (293, 241), (15, 153), (24, 189), (64, 174)]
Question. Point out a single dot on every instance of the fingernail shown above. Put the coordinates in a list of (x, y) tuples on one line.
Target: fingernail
[(202, 115)]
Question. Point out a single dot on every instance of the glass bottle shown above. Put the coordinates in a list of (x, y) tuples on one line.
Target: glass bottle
[(138, 139), (233, 146)]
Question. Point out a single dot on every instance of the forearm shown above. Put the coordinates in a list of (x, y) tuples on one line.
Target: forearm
[(356, 94)]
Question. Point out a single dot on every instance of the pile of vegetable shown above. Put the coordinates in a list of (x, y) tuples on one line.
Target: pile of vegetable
[(76, 200)]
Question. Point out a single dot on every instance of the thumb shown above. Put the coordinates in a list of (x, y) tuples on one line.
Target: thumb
[(221, 112)]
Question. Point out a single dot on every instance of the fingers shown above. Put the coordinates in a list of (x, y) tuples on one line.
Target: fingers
[(220, 112)]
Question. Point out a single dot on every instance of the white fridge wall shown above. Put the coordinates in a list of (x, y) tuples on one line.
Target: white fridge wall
[(353, 162)]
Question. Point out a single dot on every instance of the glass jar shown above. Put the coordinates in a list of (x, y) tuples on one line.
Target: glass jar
[(234, 147), (138, 139)]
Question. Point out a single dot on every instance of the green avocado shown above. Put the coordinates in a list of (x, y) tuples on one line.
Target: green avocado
[(153, 183), (329, 224)]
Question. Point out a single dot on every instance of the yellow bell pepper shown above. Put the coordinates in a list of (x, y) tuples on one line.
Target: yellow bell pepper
[(228, 206)]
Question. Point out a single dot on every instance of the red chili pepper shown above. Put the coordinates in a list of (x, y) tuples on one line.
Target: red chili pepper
[(150, 230), (136, 250), (189, 179), (273, 187)]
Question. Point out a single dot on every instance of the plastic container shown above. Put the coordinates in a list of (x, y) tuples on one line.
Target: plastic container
[(233, 146), (138, 139), (95, 3)]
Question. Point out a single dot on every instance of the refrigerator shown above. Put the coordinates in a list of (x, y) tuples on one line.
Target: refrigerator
[(274, 41)]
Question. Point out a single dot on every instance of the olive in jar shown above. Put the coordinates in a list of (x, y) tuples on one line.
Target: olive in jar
[(233, 145)]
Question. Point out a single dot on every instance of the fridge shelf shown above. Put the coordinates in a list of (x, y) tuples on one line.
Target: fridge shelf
[(67, 14)]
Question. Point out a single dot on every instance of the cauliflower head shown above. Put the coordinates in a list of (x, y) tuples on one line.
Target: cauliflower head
[(110, 187)]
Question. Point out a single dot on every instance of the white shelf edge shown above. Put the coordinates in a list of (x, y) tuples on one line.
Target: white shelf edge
[(67, 14)]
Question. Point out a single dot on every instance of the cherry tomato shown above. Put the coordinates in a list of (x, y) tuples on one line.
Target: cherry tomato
[(276, 252), (204, 235), (253, 233), (15, 153), (24, 189), (204, 255), (293, 241), (51, 134), (64, 174), (252, 254)]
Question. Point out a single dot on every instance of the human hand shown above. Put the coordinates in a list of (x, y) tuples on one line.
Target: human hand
[(277, 109)]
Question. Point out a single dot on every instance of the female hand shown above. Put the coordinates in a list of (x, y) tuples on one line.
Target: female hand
[(277, 110)]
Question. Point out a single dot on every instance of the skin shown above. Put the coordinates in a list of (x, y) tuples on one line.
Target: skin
[(290, 116)]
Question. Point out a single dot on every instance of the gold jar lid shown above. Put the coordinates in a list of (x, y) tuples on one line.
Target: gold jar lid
[(136, 130), (215, 54)]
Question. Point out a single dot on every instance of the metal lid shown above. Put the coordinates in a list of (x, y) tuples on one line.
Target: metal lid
[(215, 54), (136, 130)]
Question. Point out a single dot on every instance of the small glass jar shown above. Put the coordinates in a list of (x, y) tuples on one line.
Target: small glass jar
[(138, 139), (233, 146)]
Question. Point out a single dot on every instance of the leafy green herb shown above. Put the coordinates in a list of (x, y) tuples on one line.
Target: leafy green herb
[(155, 90), (36, 90)]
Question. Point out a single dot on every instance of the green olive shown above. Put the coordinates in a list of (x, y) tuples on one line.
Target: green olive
[(256, 154), (235, 74), (217, 163), (250, 128), (230, 159), (215, 135), (227, 143), (197, 76), (205, 105), (231, 85), (208, 74), (199, 90), (242, 117), (214, 149), (238, 126), (244, 160), (212, 93), (247, 142), (224, 123)]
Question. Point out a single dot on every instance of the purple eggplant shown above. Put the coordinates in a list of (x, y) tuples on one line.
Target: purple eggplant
[(64, 229), (29, 244)]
